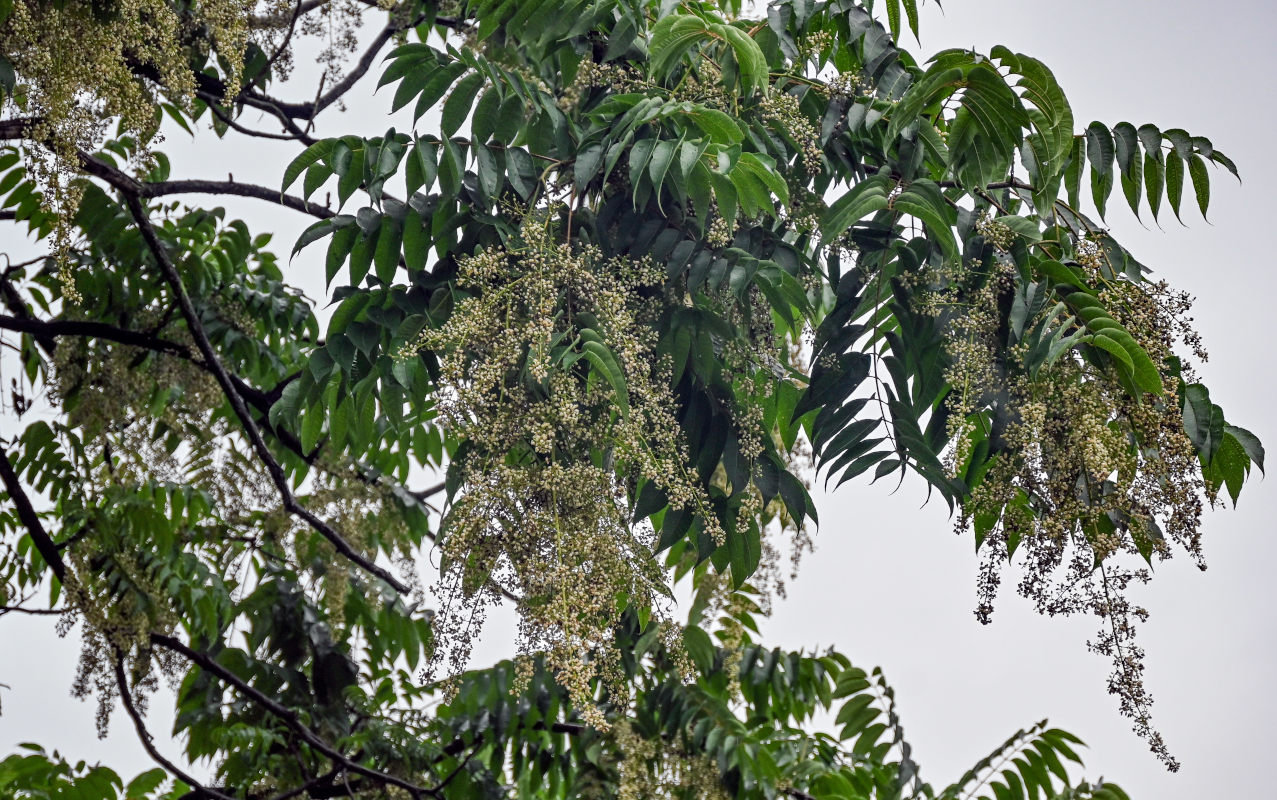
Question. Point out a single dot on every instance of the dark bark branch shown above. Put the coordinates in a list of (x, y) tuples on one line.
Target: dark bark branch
[(313, 787), (13, 301), (430, 491), (235, 126), (42, 329), (17, 128), (148, 742), (131, 186), (290, 503), (20, 128), (309, 110), (26, 514), (46, 331), (282, 19), (32, 611), (283, 713), (233, 188)]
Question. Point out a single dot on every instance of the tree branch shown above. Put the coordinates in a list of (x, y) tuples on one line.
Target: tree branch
[(290, 503), (26, 514), (17, 128), (148, 742), (164, 188), (45, 331), (129, 185), (42, 329), (309, 110), (283, 713), (276, 20), (216, 108), (32, 611)]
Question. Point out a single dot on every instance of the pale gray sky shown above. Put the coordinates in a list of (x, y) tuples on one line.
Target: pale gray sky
[(890, 584)]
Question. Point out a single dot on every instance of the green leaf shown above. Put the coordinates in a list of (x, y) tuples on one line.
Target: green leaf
[(1249, 443), (867, 196), (422, 166), (1099, 147), (749, 57), (521, 171), (313, 233), (924, 200), (436, 88), (389, 242), (671, 37), (491, 172), (658, 166), (417, 77), (1198, 413), (1229, 466), (339, 248), (361, 255), (1114, 348), (486, 115), (318, 150), (1154, 180), (721, 128), (457, 107), (764, 169), (601, 358), (451, 168), (1073, 171), (1174, 181), (1201, 182), (145, 783), (416, 241)]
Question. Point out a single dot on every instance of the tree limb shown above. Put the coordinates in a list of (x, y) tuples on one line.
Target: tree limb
[(283, 713), (148, 742), (290, 503), (26, 514), (32, 611), (42, 329)]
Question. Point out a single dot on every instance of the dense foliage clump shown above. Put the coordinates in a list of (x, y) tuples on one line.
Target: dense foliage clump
[(637, 269)]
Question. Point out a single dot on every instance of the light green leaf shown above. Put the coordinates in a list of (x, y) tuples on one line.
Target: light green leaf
[(602, 359), (672, 35), (749, 57)]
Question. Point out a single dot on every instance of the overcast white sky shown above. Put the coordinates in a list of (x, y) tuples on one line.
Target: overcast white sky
[(889, 584)]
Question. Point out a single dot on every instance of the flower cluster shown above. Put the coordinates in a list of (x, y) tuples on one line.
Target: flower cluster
[(549, 378), (83, 65), (1079, 470), (654, 767), (781, 109)]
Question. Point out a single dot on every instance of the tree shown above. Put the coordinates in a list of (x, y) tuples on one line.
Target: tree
[(678, 251)]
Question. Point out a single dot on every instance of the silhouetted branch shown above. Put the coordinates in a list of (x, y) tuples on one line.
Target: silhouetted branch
[(26, 514), (283, 713), (205, 347), (148, 742)]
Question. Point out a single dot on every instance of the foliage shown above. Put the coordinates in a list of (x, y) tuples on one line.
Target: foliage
[(634, 262)]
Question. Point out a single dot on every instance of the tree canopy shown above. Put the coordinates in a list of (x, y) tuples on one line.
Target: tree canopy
[(622, 280)]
